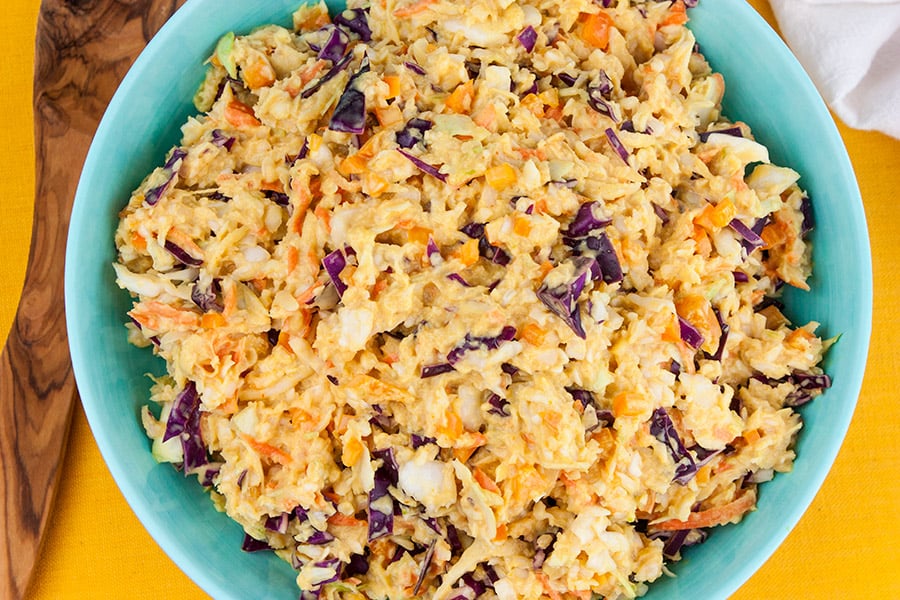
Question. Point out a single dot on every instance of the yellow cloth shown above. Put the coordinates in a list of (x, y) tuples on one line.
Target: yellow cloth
[(844, 547)]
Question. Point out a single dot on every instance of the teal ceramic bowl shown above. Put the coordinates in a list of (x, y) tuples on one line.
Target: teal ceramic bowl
[(766, 88)]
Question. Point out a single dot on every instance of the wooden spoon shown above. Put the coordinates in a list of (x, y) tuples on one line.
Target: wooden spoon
[(83, 49)]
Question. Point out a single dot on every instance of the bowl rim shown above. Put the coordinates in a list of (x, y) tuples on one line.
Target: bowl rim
[(192, 11)]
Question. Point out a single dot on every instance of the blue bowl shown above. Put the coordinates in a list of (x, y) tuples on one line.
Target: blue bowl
[(766, 88)]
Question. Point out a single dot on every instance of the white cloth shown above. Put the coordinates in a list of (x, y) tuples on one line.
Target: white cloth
[(851, 50)]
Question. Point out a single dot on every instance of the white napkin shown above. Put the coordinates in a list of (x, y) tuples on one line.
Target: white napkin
[(851, 49)]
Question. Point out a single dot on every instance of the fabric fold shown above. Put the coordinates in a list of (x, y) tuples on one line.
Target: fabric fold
[(851, 50)]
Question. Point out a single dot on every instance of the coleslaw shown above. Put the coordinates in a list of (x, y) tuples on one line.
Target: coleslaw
[(472, 300)]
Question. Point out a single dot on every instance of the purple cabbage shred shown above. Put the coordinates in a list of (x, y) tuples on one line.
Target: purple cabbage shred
[(381, 504), (207, 299), (689, 334), (809, 219), (333, 50), (588, 219), (251, 544), (507, 334), (662, 428), (278, 524), (423, 166), (415, 68), (617, 144), (350, 113), (222, 140), (751, 239), (498, 406), (527, 37), (170, 169), (334, 263), (436, 369), (337, 68), (413, 132), (357, 21), (184, 423), (562, 300), (732, 131)]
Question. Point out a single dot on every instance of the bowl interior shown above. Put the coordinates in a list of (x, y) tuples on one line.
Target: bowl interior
[(766, 88)]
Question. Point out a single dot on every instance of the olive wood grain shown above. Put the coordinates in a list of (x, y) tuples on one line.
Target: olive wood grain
[(83, 49)]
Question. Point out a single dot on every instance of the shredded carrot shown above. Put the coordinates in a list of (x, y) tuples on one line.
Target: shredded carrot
[(276, 454), (413, 9), (138, 241), (211, 320), (468, 252), (258, 74), (324, 215), (153, 314), (240, 115), (595, 30), (464, 453), (718, 515), (486, 117), (531, 153), (380, 286), (672, 332), (701, 239), (545, 583), (355, 164), (230, 406), (314, 20), (351, 452), (522, 226), (418, 235), (309, 293), (751, 435), (394, 85), (272, 186), (677, 14), (501, 176), (383, 391), (774, 317), (374, 184), (533, 334), (452, 426), (485, 481), (304, 198), (298, 416), (229, 297), (605, 438), (185, 242), (554, 113), (533, 104), (460, 100), (703, 474), (293, 258), (628, 404), (545, 268), (775, 234), (550, 97), (502, 533), (389, 116), (799, 338), (714, 217), (342, 520)]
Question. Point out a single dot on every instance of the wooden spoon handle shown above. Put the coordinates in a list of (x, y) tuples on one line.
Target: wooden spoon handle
[(82, 51)]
